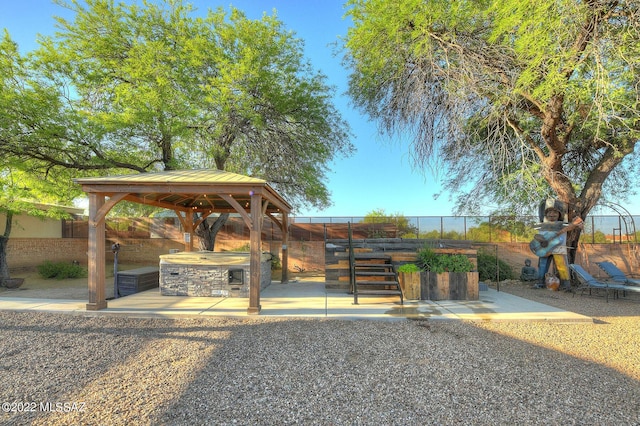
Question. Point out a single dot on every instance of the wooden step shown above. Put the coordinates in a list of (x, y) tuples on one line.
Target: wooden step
[(373, 265), (371, 256), (377, 282), (375, 274), (380, 292)]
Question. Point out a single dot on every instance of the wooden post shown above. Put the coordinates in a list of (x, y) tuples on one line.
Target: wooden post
[(285, 249), (473, 286), (97, 299), (188, 237), (255, 236)]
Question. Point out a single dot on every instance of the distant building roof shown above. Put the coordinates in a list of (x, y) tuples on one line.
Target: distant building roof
[(68, 209)]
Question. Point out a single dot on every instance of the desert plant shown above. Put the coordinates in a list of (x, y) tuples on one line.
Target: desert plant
[(61, 270), (490, 268), (275, 262), (243, 248), (408, 267), (428, 260)]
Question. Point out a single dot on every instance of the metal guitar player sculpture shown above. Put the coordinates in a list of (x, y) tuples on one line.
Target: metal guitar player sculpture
[(550, 246)]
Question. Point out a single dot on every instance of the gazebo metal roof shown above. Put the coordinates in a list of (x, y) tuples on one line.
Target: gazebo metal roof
[(203, 190)]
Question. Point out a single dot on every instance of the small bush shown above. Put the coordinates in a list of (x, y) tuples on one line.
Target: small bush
[(428, 260), (276, 265), (61, 270), (489, 266), (408, 267)]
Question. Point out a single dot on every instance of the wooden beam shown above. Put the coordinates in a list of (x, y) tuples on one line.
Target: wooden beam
[(274, 219), (204, 217), (188, 227), (256, 255), (275, 199), (181, 218), (106, 207), (211, 207), (247, 219), (284, 228), (97, 299), (141, 200)]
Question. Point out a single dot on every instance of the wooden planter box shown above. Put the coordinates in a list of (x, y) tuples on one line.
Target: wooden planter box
[(410, 284), (445, 286), (449, 286)]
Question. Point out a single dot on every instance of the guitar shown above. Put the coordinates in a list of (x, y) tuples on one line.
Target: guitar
[(543, 243)]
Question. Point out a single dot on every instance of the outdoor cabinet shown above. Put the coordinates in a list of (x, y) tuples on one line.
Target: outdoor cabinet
[(137, 280)]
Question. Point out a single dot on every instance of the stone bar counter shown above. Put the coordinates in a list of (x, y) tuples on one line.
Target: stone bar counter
[(206, 273)]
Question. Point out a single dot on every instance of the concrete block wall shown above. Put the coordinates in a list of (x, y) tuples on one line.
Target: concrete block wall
[(143, 250), (28, 253)]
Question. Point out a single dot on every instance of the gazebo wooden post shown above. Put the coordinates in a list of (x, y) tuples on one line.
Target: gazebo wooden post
[(285, 249), (97, 299), (255, 266), (188, 245)]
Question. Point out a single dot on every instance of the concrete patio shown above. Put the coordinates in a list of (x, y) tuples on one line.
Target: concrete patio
[(309, 299)]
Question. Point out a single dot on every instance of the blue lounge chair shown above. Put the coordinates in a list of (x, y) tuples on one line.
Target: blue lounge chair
[(616, 274), (588, 282)]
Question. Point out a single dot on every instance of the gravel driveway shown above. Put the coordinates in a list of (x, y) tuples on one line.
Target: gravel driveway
[(77, 369)]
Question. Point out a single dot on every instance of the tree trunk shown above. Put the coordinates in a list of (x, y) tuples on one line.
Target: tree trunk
[(575, 208), (208, 231), (4, 240), (573, 239)]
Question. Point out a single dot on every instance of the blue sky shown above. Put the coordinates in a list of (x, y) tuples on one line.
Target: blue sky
[(378, 176)]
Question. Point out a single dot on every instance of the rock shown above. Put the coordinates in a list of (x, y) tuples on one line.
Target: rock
[(13, 282)]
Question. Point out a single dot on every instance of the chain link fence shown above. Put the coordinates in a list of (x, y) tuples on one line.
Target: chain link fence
[(481, 229)]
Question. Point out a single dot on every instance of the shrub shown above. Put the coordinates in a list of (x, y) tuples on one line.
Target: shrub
[(408, 267), (61, 270), (489, 266), (275, 262), (428, 260)]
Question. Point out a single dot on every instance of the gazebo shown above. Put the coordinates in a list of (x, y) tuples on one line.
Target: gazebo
[(186, 192)]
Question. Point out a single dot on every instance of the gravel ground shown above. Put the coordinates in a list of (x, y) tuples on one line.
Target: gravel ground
[(76, 369)]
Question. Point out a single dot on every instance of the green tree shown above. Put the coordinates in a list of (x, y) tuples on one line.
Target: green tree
[(597, 237), (431, 235), (24, 181), (404, 228), (512, 227), (484, 232), (520, 100), (152, 87), (22, 191)]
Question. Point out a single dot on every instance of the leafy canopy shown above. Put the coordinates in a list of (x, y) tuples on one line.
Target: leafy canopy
[(518, 100), (138, 87), (405, 229)]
